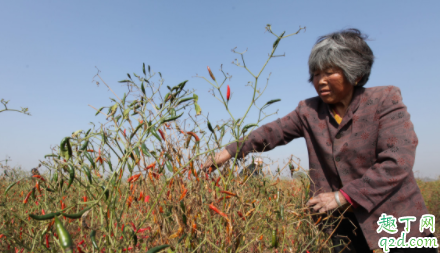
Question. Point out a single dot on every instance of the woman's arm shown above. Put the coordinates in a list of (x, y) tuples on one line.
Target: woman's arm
[(267, 137), (395, 149), (264, 138)]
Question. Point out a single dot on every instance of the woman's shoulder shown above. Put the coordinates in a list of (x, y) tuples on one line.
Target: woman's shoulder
[(383, 90), (380, 93)]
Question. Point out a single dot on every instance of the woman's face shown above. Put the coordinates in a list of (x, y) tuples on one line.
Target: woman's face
[(332, 86)]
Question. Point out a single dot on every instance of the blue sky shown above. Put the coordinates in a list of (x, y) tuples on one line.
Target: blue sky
[(49, 51)]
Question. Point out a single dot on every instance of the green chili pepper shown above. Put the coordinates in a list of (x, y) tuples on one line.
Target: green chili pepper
[(87, 171), (245, 128), (135, 130), (210, 127), (50, 155), (274, 238), (158, 248), (90, 160), (169, 166), (9, 187), (106, 192), (65, 148), (184, 219), (92, 238), (72, 175), (64, 236), (171, 118), (76, 215), (282, 212), (87, 133), (84, 146), (130, 154), (182, 84), (44, 217), (132, 234), (184, 100), (48, 189), (143, 88)]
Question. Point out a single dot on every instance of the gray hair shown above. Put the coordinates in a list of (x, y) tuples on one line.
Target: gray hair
[(347, 50)]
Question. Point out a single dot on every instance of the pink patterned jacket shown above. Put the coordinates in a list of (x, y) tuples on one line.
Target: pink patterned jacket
[(370, 155)]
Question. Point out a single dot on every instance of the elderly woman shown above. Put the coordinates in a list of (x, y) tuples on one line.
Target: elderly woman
[(361, 144)]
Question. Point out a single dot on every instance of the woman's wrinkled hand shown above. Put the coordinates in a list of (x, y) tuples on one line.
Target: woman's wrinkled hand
[(326, 201), (219, 159)]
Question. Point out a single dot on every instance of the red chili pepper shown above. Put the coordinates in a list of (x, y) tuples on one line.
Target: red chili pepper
[(147, 199), (134, 178), (143, 230), (125, 132), (85, 198), (210, 73), (81, 242), (130, 199), (194, 135), (228, 93), (141, 195), (161, 134), (43, 212), (215, 209), (183, 194), (27, 197), (47, 240), (40, 177), (37, 185), (229, 193), (79, 249), (241, 215), (133, 226), (150, 166)]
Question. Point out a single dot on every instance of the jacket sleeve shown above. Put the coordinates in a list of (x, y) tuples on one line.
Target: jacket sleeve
[(267, 137), (395, 154)]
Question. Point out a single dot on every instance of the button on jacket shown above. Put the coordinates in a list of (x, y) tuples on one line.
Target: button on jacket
[(369, 155)]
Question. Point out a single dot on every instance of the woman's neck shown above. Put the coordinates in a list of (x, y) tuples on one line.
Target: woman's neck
[(342, 106)]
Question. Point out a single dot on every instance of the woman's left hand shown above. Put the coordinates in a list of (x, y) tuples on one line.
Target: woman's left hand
[(326, 201)]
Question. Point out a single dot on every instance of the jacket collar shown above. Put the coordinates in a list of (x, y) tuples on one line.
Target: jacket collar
[(354, 105)]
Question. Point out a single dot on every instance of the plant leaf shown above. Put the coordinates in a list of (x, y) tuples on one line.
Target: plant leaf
[(100, 109), (270, 102), (124, 81), (198, 109), (245, 128)]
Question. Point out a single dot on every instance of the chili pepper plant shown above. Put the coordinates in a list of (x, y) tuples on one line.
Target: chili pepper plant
[(136, 183)]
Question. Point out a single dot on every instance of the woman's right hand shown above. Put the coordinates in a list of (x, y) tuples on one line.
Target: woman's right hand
[(219, 159)]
